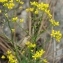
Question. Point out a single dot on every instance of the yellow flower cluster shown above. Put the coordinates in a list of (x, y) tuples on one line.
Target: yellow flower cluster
[(11, 57), (30, 45), (57, 35), (2, 1), (34, 3), (29, 9), (47, 11), (54, 23), (39, 6), (14, 19), (42, 7), (38, 54), (9, 5), (20, 1)]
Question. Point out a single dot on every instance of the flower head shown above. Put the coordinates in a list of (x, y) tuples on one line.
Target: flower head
[(9, 5), (30, 45), (2, 1), (54, 23), (57, 35), (3, 57), (38, 54), (11, 57), (14, 19)]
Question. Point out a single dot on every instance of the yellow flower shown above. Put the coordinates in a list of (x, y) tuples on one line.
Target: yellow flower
[(38, 54), (21, 20), (46, 5), (3, 57), (53, 33), (6, 15), (21, 2), (13, 30), (3, 1), (29, 9), (48, 13), (57, 35), (9, 5), (36, 12), (14, 19), (11, 1), (8, 52), (27, 43), (34, 3), (42, 6), (54, 23), (30, 45), (11, 57), (31, 50)]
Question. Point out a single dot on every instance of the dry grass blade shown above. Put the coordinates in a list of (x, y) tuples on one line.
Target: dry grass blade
[(29, 23), (4, 44)]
